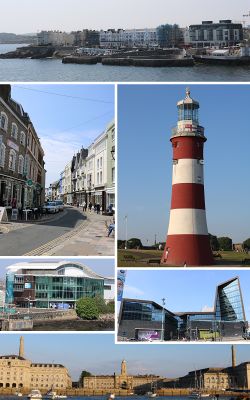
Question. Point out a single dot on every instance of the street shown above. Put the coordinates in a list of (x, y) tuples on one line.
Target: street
[(72, 230)]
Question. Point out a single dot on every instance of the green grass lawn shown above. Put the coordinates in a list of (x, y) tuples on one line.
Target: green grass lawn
[(139, 258)]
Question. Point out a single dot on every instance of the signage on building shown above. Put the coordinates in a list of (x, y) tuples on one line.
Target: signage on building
[(27, 285), (3, 215), (14, 214), (13, 145)]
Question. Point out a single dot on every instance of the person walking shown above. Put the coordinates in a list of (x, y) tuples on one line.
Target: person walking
[(90, 206), (84, 207), (98, 208)]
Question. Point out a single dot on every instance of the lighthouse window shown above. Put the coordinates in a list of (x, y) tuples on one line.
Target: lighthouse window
[(175, 162)]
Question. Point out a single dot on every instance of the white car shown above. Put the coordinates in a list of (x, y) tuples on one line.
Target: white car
[(51, 207), (60, 204)]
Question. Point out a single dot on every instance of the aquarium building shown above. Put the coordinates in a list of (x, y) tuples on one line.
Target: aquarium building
[(54, 284)]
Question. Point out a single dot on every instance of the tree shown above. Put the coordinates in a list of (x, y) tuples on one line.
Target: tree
[(82, 376), (134, 243), (111, 307), (214, 242), (121, 244), (101, 305), (86, 308), (225, 243), (246, 244)]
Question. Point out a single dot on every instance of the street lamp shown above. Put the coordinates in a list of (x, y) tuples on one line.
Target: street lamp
[(162, 319), (126, 232)]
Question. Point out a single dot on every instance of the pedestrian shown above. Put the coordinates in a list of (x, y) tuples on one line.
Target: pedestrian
[(77, 204), (98, 208), (111, 227), (90, 206), (84, 206)]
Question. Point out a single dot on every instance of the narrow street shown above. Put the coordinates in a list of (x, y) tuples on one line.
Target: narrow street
[(48, 237)]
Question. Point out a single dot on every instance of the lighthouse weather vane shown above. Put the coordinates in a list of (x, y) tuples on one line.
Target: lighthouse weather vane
[(187, 241)]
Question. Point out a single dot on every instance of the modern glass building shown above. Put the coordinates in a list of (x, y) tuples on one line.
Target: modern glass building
[(54, 285), (227, 318)]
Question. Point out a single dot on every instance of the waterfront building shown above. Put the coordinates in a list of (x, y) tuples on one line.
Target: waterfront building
[(119, 381), (22, 173), (143, 319), (169, 36), (18, 372), (224, 33), (55, 38), (87, 38), (128, 38), (46, 284), (233, 377), (187, 239)]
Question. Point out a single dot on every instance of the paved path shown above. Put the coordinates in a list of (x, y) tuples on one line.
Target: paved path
[(42, 238), (91, 240)]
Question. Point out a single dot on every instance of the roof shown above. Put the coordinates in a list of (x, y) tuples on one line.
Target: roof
[(12, 356), (71, 268)]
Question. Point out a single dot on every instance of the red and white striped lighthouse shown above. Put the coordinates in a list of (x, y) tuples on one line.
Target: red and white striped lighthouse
[(187, 240)]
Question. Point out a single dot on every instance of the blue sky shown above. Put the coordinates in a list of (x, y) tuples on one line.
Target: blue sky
[(184, 290), (146, 115), (98, 354), (104, 267), (31, 16), (65, 124)]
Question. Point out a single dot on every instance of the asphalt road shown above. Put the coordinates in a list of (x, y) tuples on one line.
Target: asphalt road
[(21, 241)]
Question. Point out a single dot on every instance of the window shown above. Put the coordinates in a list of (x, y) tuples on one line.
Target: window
[(20, 164), (98, 163), (101, 177), (101, 162), (12, 160), (4, 121), (2, 155), (113, 174), (22, 138), (14, 130), (97, 178)]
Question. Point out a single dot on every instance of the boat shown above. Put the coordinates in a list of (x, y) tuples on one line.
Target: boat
[(18, 394), (51, 394), (151, 395), (111, 396), (198, 395), (227, 56), (34, 394)]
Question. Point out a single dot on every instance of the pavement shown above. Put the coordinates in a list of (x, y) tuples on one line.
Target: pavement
[(70, 233)]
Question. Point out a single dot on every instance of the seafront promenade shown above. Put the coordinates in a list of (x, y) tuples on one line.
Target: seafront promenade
[(128, 393)]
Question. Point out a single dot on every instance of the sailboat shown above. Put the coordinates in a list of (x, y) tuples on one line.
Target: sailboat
[(197, 393), (153, 393)]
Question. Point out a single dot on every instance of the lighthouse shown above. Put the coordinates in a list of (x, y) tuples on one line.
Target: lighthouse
[(187, 239)]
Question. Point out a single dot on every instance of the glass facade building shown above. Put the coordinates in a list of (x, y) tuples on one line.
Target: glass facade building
[(226, 319), (47, 285), (229, 304)]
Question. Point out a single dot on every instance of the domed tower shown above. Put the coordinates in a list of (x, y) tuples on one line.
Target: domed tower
[(124, 368), (187, 240)]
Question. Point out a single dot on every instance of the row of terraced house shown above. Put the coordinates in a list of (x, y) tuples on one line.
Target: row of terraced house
[(22, 172), (89, 177)]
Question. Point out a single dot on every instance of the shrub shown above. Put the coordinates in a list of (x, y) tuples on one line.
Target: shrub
[(86, 308)]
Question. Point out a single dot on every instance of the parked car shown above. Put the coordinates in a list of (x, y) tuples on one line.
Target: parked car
[(60, 204), (51, 207)]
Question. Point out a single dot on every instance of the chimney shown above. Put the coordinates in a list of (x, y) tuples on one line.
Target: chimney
[(233, 356), (5, 92), (21, 347)]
